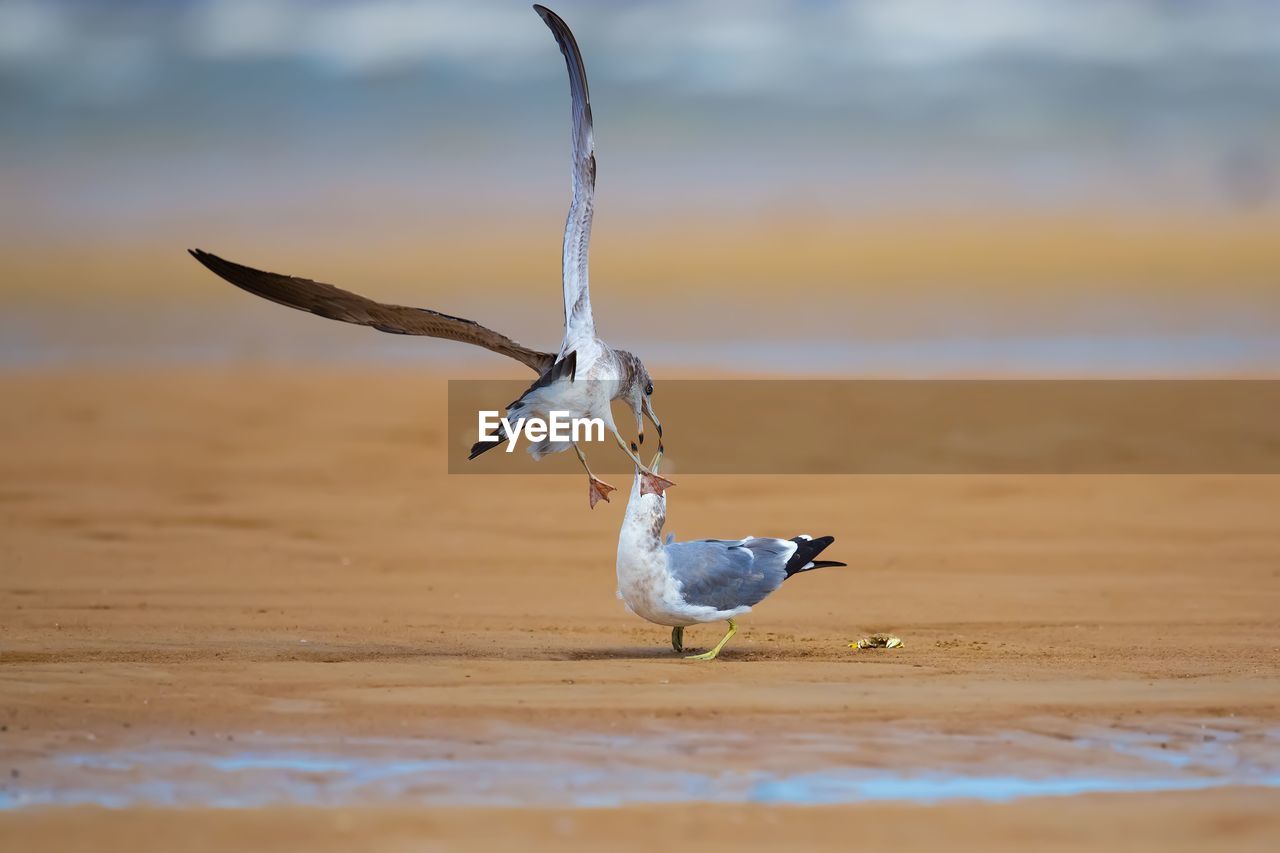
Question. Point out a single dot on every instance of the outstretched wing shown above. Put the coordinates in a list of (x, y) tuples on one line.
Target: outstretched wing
[(578, 321), (335, 303)]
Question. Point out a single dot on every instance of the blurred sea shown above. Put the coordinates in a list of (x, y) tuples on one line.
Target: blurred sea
[(259, 334), (818, 186)]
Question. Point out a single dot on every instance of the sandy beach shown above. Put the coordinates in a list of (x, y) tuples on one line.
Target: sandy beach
[(254, 596), (203, 554)]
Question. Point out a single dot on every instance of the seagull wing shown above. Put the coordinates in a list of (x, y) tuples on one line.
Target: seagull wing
[(335, 303), (578, 321), (727, 574)]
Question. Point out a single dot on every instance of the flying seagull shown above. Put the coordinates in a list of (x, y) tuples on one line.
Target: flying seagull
[(580, 380), (685, 583)]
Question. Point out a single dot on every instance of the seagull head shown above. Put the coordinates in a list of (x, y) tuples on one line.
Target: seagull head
[(637, 392), (651, 509)]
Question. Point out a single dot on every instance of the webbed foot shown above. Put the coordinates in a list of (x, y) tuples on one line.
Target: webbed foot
[(652, 484), (711, 655), (598, 490)]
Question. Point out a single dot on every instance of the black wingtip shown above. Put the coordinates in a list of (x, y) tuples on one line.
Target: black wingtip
[(806, 550), (485, 446), (205, 258), (556, 23)]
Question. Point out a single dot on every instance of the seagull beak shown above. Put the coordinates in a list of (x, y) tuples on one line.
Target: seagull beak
[(647, 408)]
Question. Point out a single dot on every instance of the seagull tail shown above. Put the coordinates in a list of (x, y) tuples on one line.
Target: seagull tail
[(806, 549)]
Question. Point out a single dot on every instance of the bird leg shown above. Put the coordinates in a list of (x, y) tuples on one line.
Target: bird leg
[(650, 483), (597, 489), (711, 655), (677, 638)]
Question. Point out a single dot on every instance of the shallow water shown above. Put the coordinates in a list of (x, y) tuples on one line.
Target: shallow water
[(124, 336), (589, 769)]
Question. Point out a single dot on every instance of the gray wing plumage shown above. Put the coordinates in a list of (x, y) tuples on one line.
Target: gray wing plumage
[(325, 300), (578, 320), (726, 574)]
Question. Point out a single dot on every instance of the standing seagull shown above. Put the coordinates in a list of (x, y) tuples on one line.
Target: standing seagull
[(684, 583), (582, 379)]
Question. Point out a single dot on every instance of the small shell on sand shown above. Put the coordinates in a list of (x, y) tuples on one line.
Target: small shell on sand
[(877, 641)]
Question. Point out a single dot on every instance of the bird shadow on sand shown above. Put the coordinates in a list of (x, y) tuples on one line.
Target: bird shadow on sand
[(622, 653), (636, 653)]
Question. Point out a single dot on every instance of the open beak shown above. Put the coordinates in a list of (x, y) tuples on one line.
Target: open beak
[(657, 459)]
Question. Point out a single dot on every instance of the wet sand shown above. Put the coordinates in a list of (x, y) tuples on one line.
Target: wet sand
[(231, 551), (1239, 820)]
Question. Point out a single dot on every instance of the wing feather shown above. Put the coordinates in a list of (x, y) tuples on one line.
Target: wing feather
[(726, 574), (325, 300), (578, 320)]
